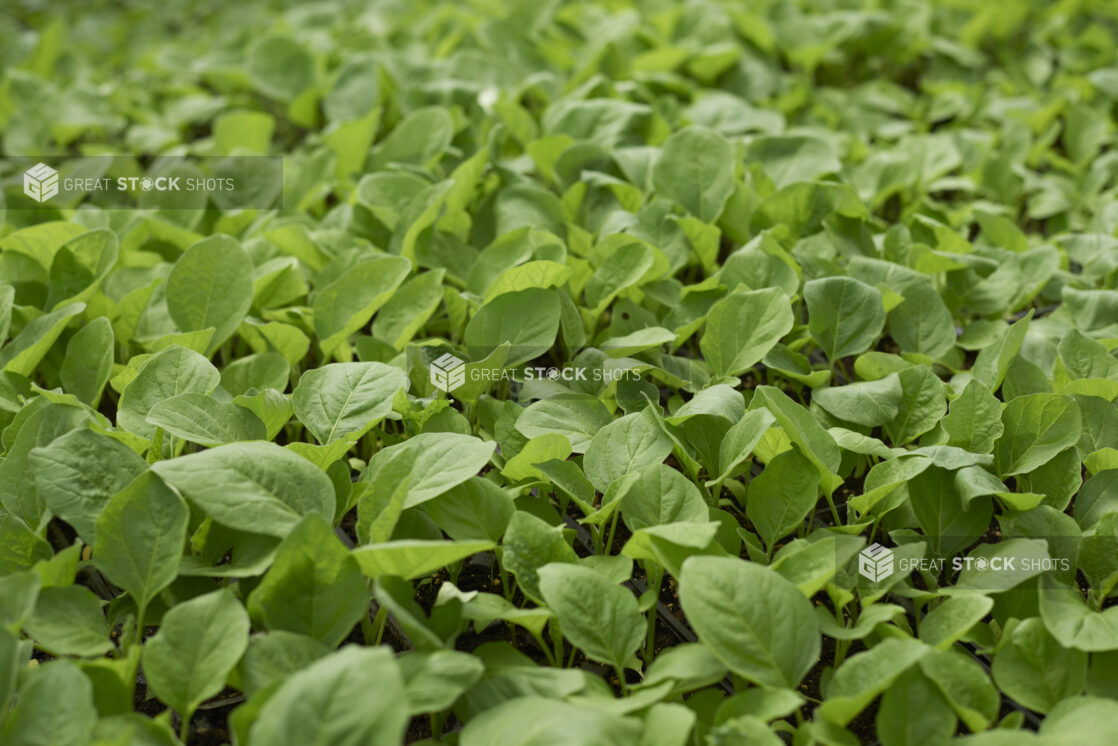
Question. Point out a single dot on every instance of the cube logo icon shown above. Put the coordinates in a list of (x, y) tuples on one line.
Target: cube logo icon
[(875, 562), (448, 373), (40, 182)]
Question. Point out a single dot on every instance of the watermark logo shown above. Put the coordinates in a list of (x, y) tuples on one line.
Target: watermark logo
[(448, 373), (40, 182), (875, 562)]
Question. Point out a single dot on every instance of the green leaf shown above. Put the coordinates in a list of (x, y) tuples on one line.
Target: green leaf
[(913, 711), (419, 139), (329, 702), (782, 495), (474, 509), (36, 719), (414, 558), (742, 327), (18, 591), (598, 616), (696, 170), (211, 286), (993, 361), (273, 656), (346, 399), (347, 304), (69, 621), (280, 67), (20, 547), (740, 440), (921, 406), (431, 462), (89, 361), (408, 309), (802, 429), (789, 158), (529, 544), (661, 495), (26, 351), (923, 323), (314, 587), (79, 266), (200, 419), (528, 320), (952, 619), (170, 372), (1078, 720), (140, 538), (198, 644), (576, 416), (79, 472), (862, 677), (1071, 622), (1035, 670), (436, 679), (974, 419), (631, 443), (731, 604), (947, 522), (868, 403), (966, 686), (532, 719), (845, 315), (1037, 428), (256, 487), (538, 450), (244, 132)]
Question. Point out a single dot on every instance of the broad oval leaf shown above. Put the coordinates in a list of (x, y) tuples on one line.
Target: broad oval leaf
[(345, 399), (733, 604), (256, 487)]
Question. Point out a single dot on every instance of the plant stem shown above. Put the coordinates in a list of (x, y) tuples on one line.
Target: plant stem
[(612, 528), (655, 578), (379, 624), (184, 729), (621, 680)]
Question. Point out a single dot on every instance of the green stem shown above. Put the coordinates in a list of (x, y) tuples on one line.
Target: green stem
[(556, 639), (138, 635), (655, 578), (547, 652), (621, 680), (437, 720), (367, 629), (184, 729), (834, 510), (379, 623), (612, 529)]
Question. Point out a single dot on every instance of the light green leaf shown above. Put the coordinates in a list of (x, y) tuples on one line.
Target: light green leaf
[(1037, 428), (79, 472), (256, 487), (742, 327), (696, 170), (597, 615), (329, 702), (200, 419), (211, 286), (346, 399), (140, 538), (197, 646), (731, 604), (414, 558), (845, 315), (314, 586)]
